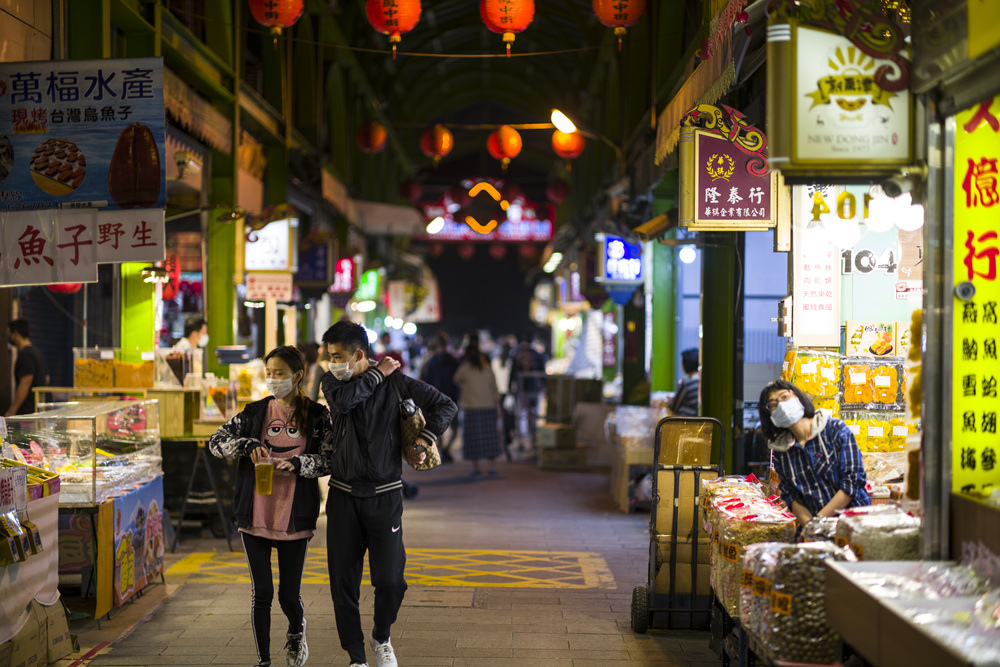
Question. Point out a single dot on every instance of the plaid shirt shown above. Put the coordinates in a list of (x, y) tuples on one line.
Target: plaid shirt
[(814, 472)]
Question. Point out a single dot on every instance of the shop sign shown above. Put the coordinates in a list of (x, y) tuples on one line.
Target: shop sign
[(82, 133), (726, 183), (816, 277), (525, 223), (836, 106), (368, 286), (415, 302), (315, 264), (621, 261), (263, 286), (344, 276), (271, 247), (48, 246), (139, 541), (983, 25), (975, 328)]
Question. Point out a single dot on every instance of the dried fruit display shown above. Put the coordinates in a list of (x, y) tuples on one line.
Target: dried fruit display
[(816, 373), (872, 385), (94, 373)]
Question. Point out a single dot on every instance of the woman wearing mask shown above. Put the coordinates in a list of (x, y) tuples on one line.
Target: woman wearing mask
[(816, 457), (479, 401), (280, 426)]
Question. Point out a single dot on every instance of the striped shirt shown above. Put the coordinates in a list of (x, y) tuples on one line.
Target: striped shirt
[(685, 400), (830, 462)]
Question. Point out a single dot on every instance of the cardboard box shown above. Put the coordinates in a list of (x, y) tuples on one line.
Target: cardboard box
[(556, 436), (679, 489), (683, 579), (34, 536), (59, 644), (6, 650), (563, 459), (685, 549), (30, 648), (686, 451)]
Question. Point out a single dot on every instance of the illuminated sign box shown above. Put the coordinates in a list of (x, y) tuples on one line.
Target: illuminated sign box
[(621, 261)]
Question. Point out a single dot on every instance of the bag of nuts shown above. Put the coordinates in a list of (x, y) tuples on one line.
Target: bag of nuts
[(883, 536), (795, 626), (763, 525), (755, 587)]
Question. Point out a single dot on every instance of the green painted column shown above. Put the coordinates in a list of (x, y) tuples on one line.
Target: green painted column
[(718, 298), (635, 385), (138, 314), (663, 371), (88, 29), (220, 290)]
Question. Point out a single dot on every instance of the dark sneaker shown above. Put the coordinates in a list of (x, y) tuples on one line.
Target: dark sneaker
[(298, 650)]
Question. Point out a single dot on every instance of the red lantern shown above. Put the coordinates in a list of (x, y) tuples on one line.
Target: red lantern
[(371, 137), (410, 190), (498, 251), (504, 144), (568, 145), (466, 251), (557, 191), (527, 251), (276, 14), (393, 18), (507, 17), (65, 288), (436, 142), (619, 14)]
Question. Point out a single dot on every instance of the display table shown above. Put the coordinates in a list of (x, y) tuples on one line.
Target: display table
[(625, 459), (178, 407)]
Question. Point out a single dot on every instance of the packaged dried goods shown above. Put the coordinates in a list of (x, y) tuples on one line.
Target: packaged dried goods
[(888, 536), (788, 366), (816, 373), (755, 584), (94, 367), (249, 378), (820, 529), (738, 532), (899, 429), (884, 467), (636, 426), (795, 625), (872, 384)]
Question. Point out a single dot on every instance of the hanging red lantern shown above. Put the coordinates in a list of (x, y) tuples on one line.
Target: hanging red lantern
[(568, 145), (507, 17), (504, 144), (393, 18), (498, 251), (277, 14), (527, 251), (466, 251), (435, 249), (436, 142), (619, 14), (557, 191), (65, 288), (371, 137), (410, 190)]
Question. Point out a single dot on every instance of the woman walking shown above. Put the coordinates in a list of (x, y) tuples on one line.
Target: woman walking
[(278, 427), (479, 401)]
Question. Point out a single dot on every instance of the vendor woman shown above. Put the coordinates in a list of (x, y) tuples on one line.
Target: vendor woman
[(816, 457)]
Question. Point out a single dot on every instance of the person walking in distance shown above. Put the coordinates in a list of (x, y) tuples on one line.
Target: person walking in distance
[(278, 427), (439, 372), (365, 505), (29, 369), (480, 405)]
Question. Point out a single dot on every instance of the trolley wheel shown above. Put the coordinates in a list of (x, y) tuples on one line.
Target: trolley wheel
[(640, 609)]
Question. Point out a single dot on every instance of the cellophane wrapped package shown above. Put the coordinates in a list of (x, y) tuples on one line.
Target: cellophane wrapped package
[(738, 531), (873, 535), (755, 587)]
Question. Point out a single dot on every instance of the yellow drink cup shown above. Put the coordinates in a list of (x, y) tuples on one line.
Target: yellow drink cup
[(263, 476)]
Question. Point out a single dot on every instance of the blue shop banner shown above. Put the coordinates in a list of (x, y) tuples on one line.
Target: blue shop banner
[(139, 540), (82, 134)]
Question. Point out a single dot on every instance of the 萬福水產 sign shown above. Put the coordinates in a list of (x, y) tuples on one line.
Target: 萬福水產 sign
[(87, 133), (837, 105), (975, 329)]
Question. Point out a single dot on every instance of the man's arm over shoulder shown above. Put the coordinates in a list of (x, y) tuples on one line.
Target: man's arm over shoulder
[(438, 409), (344, 396)]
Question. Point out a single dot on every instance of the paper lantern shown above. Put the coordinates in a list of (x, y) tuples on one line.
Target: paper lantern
[(568, 145), (619, 14), (436, 142), (527, 251), (277, 14), (507, 17), (557, 191), (504, 144), (371, 137), (498, 251), (65, 288), (393, 18), (466, 251), (410, 190)]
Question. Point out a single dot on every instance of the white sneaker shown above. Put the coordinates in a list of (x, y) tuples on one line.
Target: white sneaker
[(384, 655), (359, 664), (298, 650)]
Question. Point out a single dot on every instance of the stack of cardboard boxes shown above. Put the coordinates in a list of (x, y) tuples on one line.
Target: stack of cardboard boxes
[(44, 638), (558, 449)]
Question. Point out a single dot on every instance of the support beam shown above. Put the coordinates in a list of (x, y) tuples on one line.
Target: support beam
[(718, 321)]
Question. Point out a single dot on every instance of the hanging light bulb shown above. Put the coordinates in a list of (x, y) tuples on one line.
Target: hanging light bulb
[(687, 254)]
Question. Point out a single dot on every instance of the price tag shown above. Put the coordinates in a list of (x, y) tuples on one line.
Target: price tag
[(882, 381), (7, 490), (900, 430), (810, 368), (730, 552), (784, 366), (747, 579), (857, 378), (828, 372), (876, 431), (781, 603), (761, 587), (107, 354), (148, 356), (840, 541), (854, 428)]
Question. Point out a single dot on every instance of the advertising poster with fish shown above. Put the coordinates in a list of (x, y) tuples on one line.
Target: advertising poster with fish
[(139, 540)]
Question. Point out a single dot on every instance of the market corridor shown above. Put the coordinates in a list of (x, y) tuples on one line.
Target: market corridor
[(533, 568)]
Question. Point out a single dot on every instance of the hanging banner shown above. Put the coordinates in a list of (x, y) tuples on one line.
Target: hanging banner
[(415, 302), (726, 183), (975, 329), (837, 106), (816, 272), (86, 133), (621, 262)]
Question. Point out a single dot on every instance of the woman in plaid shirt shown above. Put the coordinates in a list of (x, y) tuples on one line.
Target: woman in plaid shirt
[(816, 457)]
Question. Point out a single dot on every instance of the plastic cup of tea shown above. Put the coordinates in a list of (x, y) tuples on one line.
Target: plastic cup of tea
[(263, 476)]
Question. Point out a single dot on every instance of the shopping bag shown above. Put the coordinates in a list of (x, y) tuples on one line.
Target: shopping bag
[(411, 423)]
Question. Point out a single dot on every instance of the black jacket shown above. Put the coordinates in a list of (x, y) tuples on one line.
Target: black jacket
[(364, 458), (240, 435)]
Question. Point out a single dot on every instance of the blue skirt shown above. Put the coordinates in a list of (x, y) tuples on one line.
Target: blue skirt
[(480, 436)]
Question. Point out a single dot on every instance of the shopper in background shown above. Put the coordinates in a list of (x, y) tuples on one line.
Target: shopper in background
[(501, 365), (29, 369), (314, 372), (525, 385), (365, 505), (385, 342), (816, 457), (685, 400), (195, 334), (480, 404), (281, 426), (439, 372)]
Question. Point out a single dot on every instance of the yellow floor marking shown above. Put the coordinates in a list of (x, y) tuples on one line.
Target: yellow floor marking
[(428, 567)]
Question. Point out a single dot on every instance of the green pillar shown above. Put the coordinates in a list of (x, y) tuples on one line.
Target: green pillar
[(663, 371), (718, 298), (220, 291), (88, 29), (138, 315), (635, 385)]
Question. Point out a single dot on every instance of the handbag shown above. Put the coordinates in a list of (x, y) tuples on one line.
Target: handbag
[(411, 423)]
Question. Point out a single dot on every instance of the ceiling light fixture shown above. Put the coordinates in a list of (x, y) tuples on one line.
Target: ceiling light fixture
[(435, 225), (155, 274), (562, 121)]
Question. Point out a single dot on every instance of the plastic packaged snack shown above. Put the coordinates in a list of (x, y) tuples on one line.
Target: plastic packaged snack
[(739, 532), (795, 626), (755, 598), (886, 536), (820, 529), (816, 373), (872, 384), (788, 366)]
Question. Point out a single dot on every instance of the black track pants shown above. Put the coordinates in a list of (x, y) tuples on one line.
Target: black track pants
[(291, 561), (353, 526)]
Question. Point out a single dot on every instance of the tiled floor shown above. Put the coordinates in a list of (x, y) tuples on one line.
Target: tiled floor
[(482, 589)]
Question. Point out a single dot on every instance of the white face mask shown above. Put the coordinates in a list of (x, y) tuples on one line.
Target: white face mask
[(342, 372), (788, 412), (279, 388), (204, 341)]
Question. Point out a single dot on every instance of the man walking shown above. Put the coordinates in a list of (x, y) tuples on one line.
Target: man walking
[(29, 369), (365, 505)]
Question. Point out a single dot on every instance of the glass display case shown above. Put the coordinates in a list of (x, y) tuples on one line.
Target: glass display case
[(172, 367), (218, 399), (94, 367), (135, 370), (249, 379), (100, 449)]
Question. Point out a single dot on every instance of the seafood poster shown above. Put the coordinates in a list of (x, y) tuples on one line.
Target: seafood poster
[(139, 540), (82, 134)]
